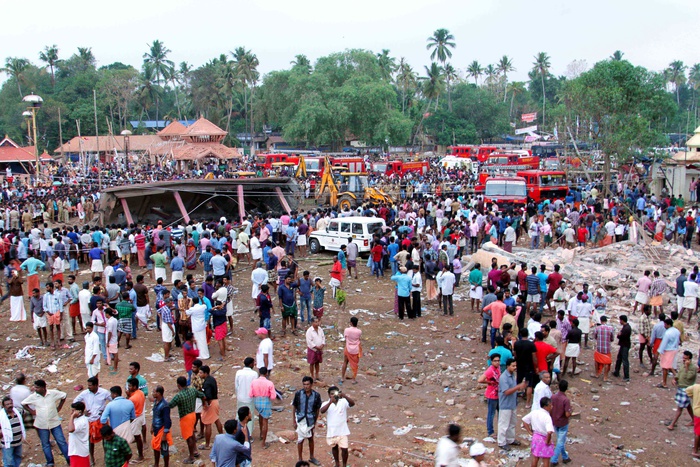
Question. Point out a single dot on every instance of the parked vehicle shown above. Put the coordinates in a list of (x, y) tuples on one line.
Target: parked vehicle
[(339, 230), (401, 168)]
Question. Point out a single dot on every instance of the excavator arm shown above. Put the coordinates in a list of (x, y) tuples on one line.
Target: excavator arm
[(328, 182)]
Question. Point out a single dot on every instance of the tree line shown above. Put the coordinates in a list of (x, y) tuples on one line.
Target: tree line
[(375, 97)]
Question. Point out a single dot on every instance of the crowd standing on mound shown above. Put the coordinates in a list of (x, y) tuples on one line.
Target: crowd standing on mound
[(536, 325)]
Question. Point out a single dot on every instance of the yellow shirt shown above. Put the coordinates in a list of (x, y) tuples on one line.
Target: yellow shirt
[(679, 325), (694, 393)]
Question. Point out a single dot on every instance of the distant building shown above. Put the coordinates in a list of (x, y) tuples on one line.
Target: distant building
[(20, 160), (678, 172)]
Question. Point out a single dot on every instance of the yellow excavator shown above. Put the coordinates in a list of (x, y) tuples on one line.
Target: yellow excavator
[(350, 189)]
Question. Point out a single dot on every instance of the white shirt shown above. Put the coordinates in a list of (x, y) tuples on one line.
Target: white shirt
[(265, 347), (46, 413), (244, 378), (533, 327), (541, 390), (337, 419), (447, 283), (690, 288), (446, 453), (219, 294), (112, 324), (84, 297), (509, 234), (255, 249), (95, 403), (315, 338), (18, 393), (92, 347), (196, 314), (78, 441), (540, 421), (259, 276)]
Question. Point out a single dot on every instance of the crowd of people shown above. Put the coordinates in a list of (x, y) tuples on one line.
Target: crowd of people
[(536, 325)]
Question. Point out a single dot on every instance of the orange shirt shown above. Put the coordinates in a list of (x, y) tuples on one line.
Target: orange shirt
[(139, 400)]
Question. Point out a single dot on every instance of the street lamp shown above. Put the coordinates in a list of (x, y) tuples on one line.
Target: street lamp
[(126, 134), (34, 102), (28, 117)]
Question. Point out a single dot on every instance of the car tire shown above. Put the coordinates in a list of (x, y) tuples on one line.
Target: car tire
[(314, 246)]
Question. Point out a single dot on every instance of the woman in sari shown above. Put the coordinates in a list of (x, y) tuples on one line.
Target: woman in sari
[(191, 255)]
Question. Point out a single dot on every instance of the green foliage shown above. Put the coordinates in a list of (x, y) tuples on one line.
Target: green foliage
[(627, 103)]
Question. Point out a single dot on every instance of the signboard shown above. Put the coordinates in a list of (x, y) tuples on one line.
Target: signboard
[(526, 130), (529, 117)]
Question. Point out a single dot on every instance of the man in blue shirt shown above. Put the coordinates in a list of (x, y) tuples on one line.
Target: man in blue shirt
[(177, 264), (225, 451), (285, 292), (392, 249), (507, 401), (403, 286), (542, 276), (205, 259), (119, 411), (305, 284), (218, 264)]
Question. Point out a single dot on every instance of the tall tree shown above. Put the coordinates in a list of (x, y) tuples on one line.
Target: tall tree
[(675, 74), (387, 65), (302, 62), (694, 82), (246, 67), (505, 66), (450, 76), (16, 67), (441, 42), (516, 88), (540, 67), (475, 70), (616, 56), (50, 56), (87, 57), (157, 59), (405, 79), (491, 73)]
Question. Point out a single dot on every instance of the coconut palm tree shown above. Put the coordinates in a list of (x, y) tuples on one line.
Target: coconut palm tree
[(616, 56), (516, 88), (157, 59), (87, 57), (675, 74), (387, 65), (694, 82), (246, 68), (302, 62), (147, 92), (405, 79), (434, 83), (441, 42), (541, 67), (50, 56), (174, 76), (491, 73), (450, 75), (15, 67), (475, 71), (505, 66)]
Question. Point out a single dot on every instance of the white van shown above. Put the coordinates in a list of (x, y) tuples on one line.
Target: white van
[(339, 230)]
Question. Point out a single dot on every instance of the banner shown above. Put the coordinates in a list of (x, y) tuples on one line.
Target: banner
[(531, 117), (526, 130)]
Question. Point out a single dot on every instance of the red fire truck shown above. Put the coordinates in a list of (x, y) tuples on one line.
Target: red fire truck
[(401, 168)]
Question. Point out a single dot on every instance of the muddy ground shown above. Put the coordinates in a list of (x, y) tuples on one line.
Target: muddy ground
[(415, 378)]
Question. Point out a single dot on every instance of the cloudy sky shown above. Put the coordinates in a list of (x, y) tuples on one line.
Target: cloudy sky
[(650, 32)]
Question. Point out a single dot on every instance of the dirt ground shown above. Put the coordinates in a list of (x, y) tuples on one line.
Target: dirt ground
[(415, 378)]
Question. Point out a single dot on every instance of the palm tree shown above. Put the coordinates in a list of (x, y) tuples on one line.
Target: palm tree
[(15, 67), (50, 56), (616, 56), (174, 76), (157, 59), (147, 91), (694, 82), (246, 68), (434, 83), (441, 42), (475, 71), (302, 62), (450, 76), (675, 74), (491, 73), (505, 66), (387, 65), (87, 57), (405, 79), (541, 67), (516, 88)]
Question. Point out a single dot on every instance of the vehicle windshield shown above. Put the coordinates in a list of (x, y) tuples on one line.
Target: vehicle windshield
[(496, 188), (260, 159), (312, 164), (554, 179), (380, 167)]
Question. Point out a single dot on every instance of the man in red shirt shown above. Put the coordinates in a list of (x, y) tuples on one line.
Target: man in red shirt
[(498, 311), (377, 252), (522, 280), (544, 350), (554, 279)]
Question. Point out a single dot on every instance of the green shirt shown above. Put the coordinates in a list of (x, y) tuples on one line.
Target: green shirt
[(117, 451), (476, 277), (686, 378), (185, 401), (125, 310), (158, 260)]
